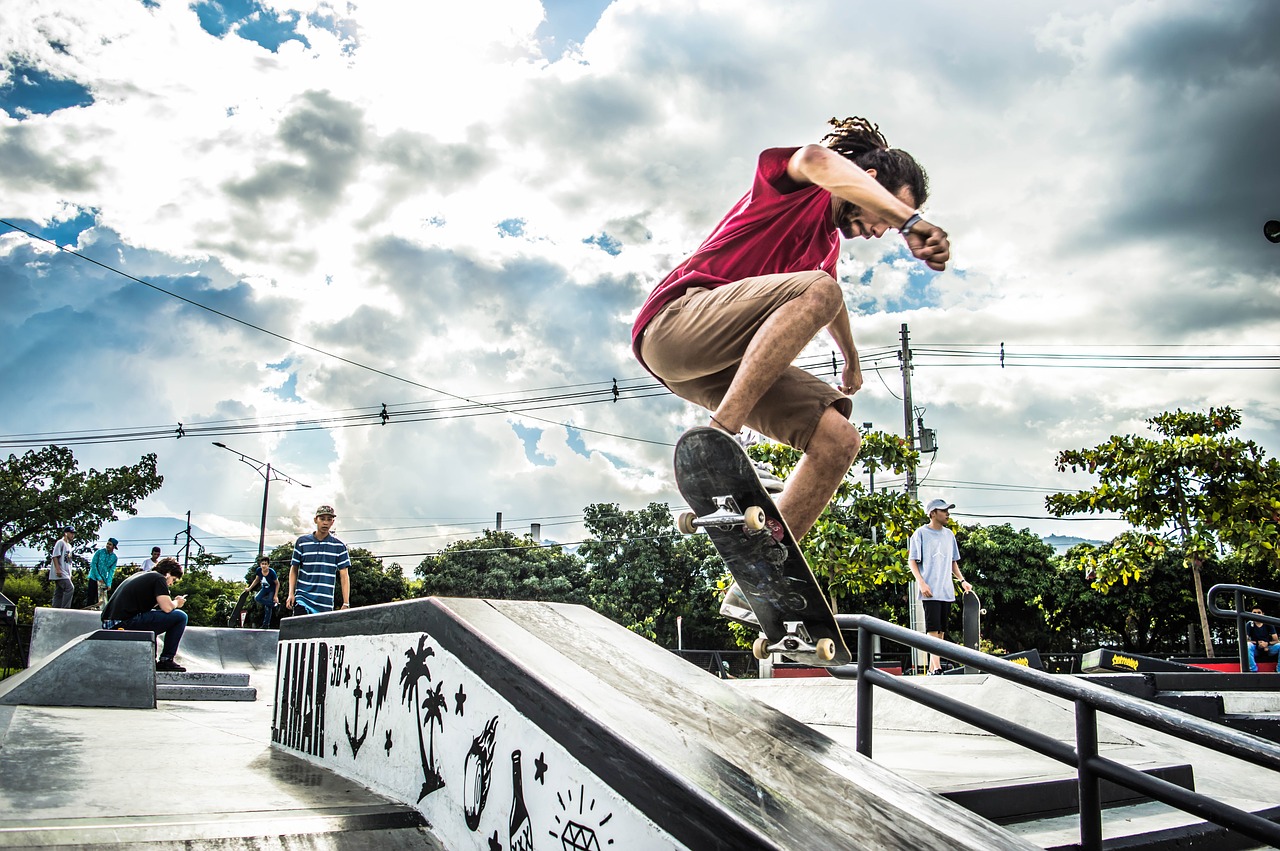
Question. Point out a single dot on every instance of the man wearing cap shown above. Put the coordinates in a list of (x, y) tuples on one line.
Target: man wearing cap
[(60, 570), (319, 561), (934, 558), (101, 571)]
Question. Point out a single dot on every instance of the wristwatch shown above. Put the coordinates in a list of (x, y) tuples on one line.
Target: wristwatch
[(910, 223)]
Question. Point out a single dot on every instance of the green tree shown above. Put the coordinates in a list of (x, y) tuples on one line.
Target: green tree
[(43, 490), (1011, 572), (371, 581), (502, 566), (644, 574), (209, 599), (1177, 489), (860, 541)]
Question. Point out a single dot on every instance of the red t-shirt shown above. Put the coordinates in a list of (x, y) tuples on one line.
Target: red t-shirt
[(769, 231)]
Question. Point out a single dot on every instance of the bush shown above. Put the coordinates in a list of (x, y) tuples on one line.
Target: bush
[(19, 585)]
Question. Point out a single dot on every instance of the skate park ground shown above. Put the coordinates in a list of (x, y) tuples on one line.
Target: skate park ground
[(204, 774)]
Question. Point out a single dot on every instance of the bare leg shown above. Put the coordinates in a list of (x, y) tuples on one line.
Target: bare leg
[(935, 661), (775, 345), (830, 453)]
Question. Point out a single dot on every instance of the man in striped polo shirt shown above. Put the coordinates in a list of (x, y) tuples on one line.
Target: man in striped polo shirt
[(319, 560)]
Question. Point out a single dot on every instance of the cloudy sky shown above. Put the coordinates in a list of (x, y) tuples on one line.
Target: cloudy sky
[(288, 215)]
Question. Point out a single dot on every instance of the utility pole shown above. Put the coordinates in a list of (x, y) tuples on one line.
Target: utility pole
[(915, 609), (908, 418), (185, 550), (268, 473)]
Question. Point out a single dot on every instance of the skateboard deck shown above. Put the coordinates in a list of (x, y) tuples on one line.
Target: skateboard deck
[(971, 608), (717, 479), (236, 619)]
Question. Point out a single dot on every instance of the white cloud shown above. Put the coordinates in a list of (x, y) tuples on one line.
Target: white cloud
[(1103, 171)]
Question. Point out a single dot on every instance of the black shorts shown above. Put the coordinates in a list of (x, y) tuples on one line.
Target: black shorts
[(936, 614)]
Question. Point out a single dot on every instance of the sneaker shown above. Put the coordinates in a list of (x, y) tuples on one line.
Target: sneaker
[(169, 665), (771, 483), (936, 672), (736, 608)]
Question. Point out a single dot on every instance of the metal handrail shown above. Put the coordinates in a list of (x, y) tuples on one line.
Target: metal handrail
[(1239, 615), (1088, 699)]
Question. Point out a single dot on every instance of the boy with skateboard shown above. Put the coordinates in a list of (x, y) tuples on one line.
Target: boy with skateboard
[(934, 559), (723, 328)]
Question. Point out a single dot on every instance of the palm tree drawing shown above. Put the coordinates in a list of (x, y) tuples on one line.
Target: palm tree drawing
[(436, 705), (416, 669)]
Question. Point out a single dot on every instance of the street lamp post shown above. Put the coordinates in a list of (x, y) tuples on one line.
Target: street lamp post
[(267, 472)]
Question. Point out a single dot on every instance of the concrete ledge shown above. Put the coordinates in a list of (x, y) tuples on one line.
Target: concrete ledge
[(104, 669)]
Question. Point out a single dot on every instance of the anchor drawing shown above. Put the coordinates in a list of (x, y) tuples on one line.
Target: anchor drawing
[(356, 743)]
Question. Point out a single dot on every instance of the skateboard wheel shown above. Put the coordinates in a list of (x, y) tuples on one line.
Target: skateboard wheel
[(685, 523), (761, 648), (754, 518), (825, 649)]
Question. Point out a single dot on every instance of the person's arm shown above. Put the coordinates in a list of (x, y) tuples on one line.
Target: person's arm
[(815, 164), (257, 580), (842, 333), (345, 577), (955, 571), (293, 585), (167, 604), (914, 564)]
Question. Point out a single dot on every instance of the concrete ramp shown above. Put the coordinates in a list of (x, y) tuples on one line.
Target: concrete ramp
[(202, 648), (521, 725), (114, 669)]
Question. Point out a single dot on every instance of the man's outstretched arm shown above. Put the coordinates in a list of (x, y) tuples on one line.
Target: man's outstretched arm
[(815, 164)]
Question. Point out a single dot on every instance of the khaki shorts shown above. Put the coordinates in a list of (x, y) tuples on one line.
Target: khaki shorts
[(696, 344)]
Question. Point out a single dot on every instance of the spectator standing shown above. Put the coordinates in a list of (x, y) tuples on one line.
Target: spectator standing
[(101, 571), (150, 563), (934, 558), (64, 591), (268, 585), (319, 562)]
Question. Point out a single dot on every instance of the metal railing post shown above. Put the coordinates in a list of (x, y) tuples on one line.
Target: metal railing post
[(863, 696), (1242, 632), (1090, 790)]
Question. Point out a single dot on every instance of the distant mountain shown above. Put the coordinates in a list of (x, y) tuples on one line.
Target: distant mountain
[(1062, 543), (137, 535)]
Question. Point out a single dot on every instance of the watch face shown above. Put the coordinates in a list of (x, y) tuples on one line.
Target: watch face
[(1271, 230)]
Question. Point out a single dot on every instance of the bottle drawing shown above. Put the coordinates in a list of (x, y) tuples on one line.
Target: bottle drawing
[(520, 837)]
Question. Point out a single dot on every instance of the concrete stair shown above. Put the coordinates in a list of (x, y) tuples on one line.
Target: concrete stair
[(203, 685)]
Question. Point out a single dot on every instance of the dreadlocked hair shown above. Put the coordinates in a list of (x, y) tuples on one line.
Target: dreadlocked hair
[(859, 140)]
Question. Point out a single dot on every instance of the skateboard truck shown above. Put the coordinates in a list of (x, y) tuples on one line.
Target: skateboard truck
[(726, 516), (796, 641)]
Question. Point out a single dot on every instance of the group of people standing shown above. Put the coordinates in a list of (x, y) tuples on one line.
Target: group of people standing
[(319, 566)]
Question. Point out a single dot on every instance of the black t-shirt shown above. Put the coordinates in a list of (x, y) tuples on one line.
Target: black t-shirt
[(136, 595), (1260, 632)]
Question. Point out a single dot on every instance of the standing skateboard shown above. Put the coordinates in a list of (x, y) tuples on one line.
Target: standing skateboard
[(236, 619), (972, 616), (721, 486)]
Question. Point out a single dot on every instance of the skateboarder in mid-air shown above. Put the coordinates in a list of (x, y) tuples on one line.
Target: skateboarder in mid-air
[(723, 328)]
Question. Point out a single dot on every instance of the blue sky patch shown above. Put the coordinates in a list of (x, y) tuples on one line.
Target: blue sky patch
[(529, 437), (249, 20), (34, 91), (605, 243), (288, 391), (62, 231), (568, 21), (511, 227), (573, 438)]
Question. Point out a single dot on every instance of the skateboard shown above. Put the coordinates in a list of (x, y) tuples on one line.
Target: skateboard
[(236, 620), (727, 500), (972, 617)]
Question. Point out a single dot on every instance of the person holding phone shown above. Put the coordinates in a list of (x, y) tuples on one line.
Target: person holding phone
[(143, 602)]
